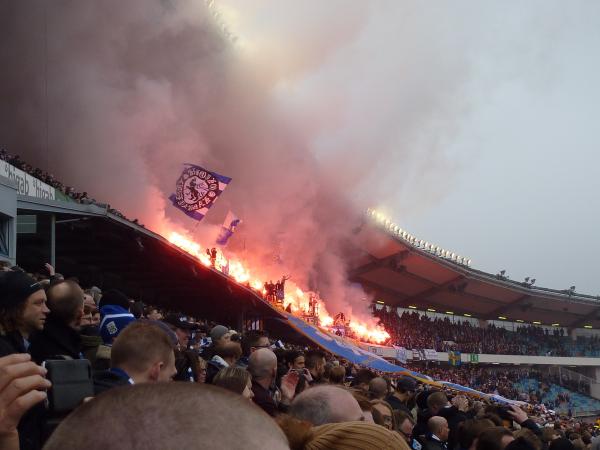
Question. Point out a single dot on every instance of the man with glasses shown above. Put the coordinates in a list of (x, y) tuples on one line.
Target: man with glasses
[(405, 424), (251, 341)]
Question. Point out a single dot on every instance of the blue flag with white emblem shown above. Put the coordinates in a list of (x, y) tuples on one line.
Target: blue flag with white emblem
[(228, 227), (197, 189)]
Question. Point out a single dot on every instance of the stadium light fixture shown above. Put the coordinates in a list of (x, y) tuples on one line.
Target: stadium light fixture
[(520, 321), (391, 227), (467, 315), (587, 326), (556, 324), (412, 306), (380, 302), (501, 317), (450, 312), (430, 309), (537, 322)]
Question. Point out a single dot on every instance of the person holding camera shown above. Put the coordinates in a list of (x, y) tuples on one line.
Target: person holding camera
[(22, 386)]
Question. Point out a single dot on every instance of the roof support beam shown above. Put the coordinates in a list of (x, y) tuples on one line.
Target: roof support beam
[(435, 289), (588, 318), (492, 315), (403, 303), (387, 262)]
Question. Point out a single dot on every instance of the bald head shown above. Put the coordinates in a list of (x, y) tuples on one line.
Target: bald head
[(378, 388), (157, 416), (262, 363), (65, 301), (326, 404), (439, 426)]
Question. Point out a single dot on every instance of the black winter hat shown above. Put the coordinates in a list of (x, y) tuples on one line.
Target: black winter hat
[(16, 287), (114, 297)]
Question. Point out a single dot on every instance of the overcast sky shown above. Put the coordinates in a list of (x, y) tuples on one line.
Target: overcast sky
[(477, 122)]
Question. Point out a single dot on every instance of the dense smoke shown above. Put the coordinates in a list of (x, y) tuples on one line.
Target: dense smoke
[(131, 90)]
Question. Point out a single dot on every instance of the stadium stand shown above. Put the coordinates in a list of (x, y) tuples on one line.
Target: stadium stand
[(280, 374), (411, 330)]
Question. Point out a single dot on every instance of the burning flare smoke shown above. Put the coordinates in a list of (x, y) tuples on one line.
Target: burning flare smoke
[(131, 90)]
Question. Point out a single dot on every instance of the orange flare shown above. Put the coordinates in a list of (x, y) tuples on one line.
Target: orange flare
[(295, 298)]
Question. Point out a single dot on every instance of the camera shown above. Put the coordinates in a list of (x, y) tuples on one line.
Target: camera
[(71, 384)]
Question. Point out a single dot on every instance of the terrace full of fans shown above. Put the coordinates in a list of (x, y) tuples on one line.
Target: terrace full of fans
[(49, 179), (413, 330), (152, 371)]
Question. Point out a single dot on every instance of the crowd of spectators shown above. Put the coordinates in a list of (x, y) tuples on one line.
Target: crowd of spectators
[(412, 330), (164, 380), (516, 384), (50, 179)]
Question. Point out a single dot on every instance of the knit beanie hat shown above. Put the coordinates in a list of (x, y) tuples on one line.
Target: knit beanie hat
[(114, 297), (16, 287), (113, 319), (218, 332), (358, 435)]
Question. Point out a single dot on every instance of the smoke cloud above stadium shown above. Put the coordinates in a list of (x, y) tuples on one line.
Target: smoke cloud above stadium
[(317, 110), (134, 89)]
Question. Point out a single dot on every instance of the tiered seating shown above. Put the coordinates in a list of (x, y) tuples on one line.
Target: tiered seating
[(558, 398)]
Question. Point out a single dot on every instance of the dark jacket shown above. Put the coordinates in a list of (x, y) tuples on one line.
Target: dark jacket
[(262, 398), (532, 426), (212, 369), (397, 404), (57, 339), (421, 428), (454, 418), (90, 342), (31, 425), (107, 379), (432, 444), (11, 343), (208, 352)]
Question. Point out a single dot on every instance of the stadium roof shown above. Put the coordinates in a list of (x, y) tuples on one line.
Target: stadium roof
[(106, 250), (402, 271)]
